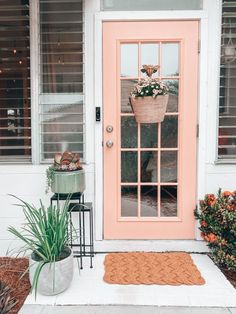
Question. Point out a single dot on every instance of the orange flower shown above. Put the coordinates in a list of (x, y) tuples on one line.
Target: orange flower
[(226, 193), (204, 224), (211, 238), (211, 200)]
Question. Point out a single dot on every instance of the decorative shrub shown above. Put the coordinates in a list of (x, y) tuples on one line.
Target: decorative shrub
[(217, 218)]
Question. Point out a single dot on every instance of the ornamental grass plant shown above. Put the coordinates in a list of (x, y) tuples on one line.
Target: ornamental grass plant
[(217, 218), (45, 234)]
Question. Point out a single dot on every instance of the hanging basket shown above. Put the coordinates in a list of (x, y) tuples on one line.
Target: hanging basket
[(148, 109)]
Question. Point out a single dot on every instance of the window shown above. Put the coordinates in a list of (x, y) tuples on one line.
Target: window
[(146, 5), (15, 110), (61, 77), (227, 101)]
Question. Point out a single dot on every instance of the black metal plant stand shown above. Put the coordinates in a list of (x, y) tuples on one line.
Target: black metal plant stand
[(83, 209)]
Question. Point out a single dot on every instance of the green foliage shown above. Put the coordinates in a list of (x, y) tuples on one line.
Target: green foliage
[(6, 301), (45, 234), (217, 218), (50, 172)]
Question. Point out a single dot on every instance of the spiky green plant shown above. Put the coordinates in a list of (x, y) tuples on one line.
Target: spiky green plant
[(45, 234), (6, 301)]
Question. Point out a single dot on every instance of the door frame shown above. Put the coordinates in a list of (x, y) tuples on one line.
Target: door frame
[(101, 17)]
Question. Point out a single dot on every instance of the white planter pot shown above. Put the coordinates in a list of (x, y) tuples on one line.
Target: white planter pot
[(53, 278)]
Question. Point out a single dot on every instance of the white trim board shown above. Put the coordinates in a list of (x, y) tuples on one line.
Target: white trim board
[(150, 246), (202, 101)]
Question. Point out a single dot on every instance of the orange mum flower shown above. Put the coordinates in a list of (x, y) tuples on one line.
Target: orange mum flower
[(226, 193), (211, 200), (211, 238)]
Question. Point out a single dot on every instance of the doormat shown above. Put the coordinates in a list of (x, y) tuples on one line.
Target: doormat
[(11, 272), (137, 268)]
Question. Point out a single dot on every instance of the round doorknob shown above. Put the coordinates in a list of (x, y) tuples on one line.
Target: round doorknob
[(109, 128), (109, 143)]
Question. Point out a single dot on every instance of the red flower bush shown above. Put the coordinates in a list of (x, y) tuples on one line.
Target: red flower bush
[(217, 218)]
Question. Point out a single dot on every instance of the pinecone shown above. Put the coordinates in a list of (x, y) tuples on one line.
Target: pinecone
[(6, 301)]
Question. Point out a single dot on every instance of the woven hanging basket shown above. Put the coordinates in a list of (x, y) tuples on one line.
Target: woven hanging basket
[(148, 109)]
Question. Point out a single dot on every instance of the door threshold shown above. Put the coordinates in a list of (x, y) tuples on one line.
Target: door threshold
[(193, 246)]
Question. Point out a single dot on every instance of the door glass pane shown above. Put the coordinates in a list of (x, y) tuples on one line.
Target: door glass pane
[(169, 132), (173, 87), (126, 88), (129, 60), (149, 55), (129, 201), (149, 201), (147, 5), (149, 135), (149, 166), (129, 132), (129, 166), (168, 166), (168, 201), (170, 59)]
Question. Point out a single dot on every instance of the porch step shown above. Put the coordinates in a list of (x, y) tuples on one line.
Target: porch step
[(115, 309)]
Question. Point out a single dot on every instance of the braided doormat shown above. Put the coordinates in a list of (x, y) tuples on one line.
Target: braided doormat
[(151, 268)]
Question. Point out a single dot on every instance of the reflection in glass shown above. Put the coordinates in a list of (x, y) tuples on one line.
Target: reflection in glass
[(126, 88), (169, 132), (129, 132), (170, 59), (129, 60), (168, 166), (129, 167), (149, 201), (149, 166), (149, 55), (129, 201), (168, 201), (15, 103), (61, 76), (173, 87), (149, 135)]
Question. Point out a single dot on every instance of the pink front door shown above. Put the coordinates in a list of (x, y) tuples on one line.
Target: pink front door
[(150, 169)]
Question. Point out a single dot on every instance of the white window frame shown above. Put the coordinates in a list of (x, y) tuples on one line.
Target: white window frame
[(35, 82), (218, 62)]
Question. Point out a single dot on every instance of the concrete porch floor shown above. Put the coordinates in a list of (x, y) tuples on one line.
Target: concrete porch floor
[(90, 294)]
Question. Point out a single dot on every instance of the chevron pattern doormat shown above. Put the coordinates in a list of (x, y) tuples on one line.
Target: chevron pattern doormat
[(137, 268)]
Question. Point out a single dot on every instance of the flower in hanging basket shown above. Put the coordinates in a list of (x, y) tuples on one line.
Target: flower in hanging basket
[(149, 98)]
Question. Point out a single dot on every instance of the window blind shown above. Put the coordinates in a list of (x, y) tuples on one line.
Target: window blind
[(227, 94), (15, 111), (61, 77)]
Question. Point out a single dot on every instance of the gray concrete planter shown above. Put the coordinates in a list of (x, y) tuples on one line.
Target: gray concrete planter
[(53, 278), (66, 182)]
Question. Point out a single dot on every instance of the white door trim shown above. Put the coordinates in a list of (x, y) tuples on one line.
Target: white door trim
[(202, 101)]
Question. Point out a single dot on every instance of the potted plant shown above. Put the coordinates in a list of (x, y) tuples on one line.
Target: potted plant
[(149, 98), (45, 234), (66, 175)]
